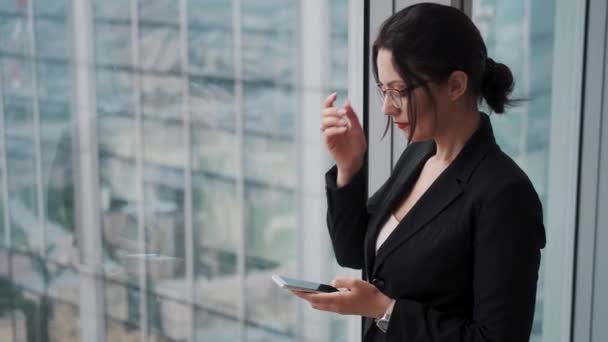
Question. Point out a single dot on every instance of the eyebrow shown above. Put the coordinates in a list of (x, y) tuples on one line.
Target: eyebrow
[(392, 82)]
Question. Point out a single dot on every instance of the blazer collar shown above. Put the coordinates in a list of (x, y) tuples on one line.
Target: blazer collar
[(475, 149), (446, 188), (403, 176)]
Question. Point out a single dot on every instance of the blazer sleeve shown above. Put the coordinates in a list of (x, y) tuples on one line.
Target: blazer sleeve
[(347, 217), (508, 236)]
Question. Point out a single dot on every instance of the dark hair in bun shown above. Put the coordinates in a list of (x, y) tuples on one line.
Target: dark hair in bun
[(430, 41), (496, 85)]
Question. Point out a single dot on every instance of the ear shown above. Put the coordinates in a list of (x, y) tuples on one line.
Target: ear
[(458, 83)]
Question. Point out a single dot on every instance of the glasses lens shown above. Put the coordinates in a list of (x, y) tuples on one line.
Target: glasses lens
[(380, 93), (395, 98)]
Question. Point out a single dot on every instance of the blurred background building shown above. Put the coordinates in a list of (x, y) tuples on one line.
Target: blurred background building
[(161, 159)]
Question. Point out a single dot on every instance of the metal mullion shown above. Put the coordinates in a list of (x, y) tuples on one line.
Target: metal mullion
[(36, 129), (563, 181), (85, 149), (187, 125), (313, 246), (523, 139), (357, 90), (5, 204), (585, 297), (4, 168), (379, 164), (141, 223), (240, 169)]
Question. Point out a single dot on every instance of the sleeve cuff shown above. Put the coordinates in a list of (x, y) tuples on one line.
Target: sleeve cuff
[(331, 179), (355, 189), (391, 306)]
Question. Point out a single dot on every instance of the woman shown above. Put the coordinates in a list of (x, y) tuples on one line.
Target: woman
[(450, 244)]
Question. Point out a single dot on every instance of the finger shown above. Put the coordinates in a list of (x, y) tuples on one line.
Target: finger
[(318, 307), (328, 302), (345, 282), (304, 295), (323, 307), (330, 298), (351, 115), (333, 112), (332, 121), (335, 131), (343, 112), (329, 101), (296, 293)]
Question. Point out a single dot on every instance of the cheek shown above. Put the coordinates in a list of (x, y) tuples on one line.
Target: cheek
[(425, 119)]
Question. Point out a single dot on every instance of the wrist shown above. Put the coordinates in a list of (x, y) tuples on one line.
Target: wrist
[(384, 304), (343, 178), (345, 175)]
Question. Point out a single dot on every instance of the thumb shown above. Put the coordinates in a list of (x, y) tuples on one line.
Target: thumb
[(344, 282)]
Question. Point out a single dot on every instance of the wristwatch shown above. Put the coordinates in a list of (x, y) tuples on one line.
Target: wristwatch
[(382, 322)]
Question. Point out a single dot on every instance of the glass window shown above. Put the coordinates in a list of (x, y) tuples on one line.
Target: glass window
[(199, 192), (64, 321), (51, 37), (523, 35), (212, 325)]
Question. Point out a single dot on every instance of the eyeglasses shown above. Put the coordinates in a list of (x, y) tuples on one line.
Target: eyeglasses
[(395, 96)]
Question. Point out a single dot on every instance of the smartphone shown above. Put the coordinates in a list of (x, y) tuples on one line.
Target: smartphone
[(302, 285)]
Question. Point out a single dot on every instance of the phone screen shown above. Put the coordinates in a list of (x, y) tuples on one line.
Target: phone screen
[(303, 285)]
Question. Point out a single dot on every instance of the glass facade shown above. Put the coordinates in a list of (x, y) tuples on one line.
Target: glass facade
[(192, 117), (160, 160)]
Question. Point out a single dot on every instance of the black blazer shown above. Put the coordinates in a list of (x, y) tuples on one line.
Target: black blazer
[(463, 263)]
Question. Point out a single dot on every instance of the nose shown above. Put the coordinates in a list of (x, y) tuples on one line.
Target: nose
[(388, 108)]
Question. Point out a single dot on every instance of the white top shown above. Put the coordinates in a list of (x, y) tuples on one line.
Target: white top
[(386, 230)]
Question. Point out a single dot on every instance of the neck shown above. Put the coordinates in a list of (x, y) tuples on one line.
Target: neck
[(451, 141)]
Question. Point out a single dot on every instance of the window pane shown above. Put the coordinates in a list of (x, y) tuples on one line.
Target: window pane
[(63, 283), (32, 316), (51, 8), (159, 11), (121, 331), (196, 168), (521, 35), (20, 156), (52, 37), (6, 326), (15, 39), (28, 272), (166, 317), (118, 186), (216, 234), (64, 322), (159, 46), (111, 9), (112, 43), (210, 38), (56, 131), (213, 326)]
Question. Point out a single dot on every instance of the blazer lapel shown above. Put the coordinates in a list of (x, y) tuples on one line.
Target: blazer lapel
[(408, 171), (446, 189), (440, 194)]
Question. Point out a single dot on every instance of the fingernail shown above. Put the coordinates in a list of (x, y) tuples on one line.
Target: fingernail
[(341, 111)]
